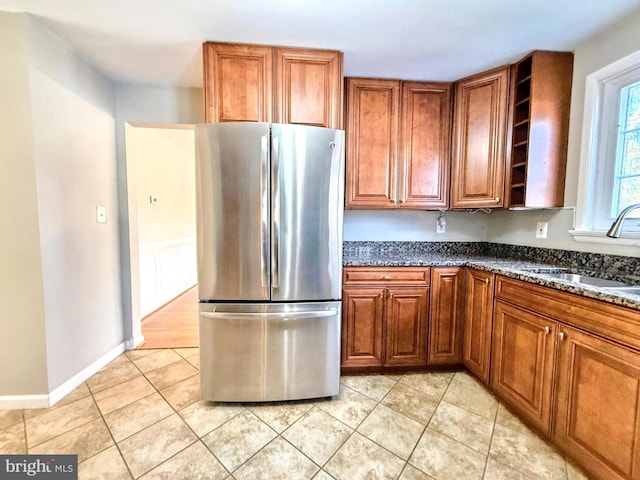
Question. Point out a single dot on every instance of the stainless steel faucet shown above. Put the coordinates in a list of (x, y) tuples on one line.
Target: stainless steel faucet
[(616, 227)]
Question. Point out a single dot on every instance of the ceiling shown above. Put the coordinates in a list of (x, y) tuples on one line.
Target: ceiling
[(158, 42)]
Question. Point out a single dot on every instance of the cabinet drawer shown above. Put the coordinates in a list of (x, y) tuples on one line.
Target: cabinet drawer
[(386, 275), (602, 318)]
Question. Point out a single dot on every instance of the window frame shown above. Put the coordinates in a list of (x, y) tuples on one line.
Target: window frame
[(598, 153)]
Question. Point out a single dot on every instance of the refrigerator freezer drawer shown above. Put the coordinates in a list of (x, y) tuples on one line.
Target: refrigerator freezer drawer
[(269, 352)]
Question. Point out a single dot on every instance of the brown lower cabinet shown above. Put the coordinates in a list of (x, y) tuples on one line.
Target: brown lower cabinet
[(478, 319), (523, 355), (446, 316), (569, 366), (598, 409), (385, 318), (362, 323), (581, 390)]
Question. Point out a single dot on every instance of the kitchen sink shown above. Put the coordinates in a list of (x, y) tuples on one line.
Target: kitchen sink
[(584, 280), (633, 290)]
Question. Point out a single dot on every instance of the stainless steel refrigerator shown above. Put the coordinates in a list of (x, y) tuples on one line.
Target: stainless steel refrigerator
[(269, 211)]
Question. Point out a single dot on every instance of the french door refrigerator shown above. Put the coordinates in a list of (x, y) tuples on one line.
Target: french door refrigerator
[(269, 216)]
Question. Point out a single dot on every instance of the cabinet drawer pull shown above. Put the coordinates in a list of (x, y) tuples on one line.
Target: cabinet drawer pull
[(387, 277), (562, 336), (547, 330)]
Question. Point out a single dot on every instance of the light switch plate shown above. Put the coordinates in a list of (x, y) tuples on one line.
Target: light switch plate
[(101, 214), (153, 200)]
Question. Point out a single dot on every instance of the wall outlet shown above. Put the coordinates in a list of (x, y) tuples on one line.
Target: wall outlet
[(441, 225), (101, 214), (542, 229)]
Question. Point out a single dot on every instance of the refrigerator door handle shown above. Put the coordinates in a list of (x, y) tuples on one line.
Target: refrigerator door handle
[(272, 315), (275, 246), (264, 213)]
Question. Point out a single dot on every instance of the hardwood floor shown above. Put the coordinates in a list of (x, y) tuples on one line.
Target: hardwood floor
[(175, 325)]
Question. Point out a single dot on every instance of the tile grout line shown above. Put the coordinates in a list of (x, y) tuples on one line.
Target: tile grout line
[(110, 434), (116, 443), (177, 412), (493, 429), (426, 427)]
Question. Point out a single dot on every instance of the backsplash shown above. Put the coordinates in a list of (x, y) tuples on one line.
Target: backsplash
[(612, 267)]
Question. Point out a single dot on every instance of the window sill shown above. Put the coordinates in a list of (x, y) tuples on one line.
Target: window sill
[(592, 236)]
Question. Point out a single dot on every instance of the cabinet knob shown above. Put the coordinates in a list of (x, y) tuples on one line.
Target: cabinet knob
[(562, 336), (381, 294), (486, 280), (497, 199), (391, 296), (547, 330), (387, 277)]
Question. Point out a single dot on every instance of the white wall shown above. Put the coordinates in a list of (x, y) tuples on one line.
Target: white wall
[(61, 308), (516, 227), (164, 161), (410, 225), (22, 343), (73, 122)]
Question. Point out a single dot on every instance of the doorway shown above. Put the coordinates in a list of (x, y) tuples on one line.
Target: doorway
[(162, 224)]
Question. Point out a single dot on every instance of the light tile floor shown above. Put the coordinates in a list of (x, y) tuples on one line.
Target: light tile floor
[(140, 417)]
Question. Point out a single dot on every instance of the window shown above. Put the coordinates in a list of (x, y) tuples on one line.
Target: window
[(610, 154), (626, 181)]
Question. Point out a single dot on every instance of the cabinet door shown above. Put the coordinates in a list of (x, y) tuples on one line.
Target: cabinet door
[(523, 355), (446, 318), (237, 82), (476, 351), (598, 410), (425, 141), (479, 140), (372, 142), (406, 328), (309, 87), (362, 325)]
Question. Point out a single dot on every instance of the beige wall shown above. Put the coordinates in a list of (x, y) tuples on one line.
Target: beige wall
[(22, 343), (164, 161), (165, 168), (516, 227)]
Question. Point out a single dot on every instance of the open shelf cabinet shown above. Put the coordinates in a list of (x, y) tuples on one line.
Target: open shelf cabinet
[(539, 118)]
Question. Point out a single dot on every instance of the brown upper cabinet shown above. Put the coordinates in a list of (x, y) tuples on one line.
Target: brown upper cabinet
[(237, 82), (308, 87), (373, 108), (425, 139), (260, 83), (537, 154), (479, 138), (384, 173)]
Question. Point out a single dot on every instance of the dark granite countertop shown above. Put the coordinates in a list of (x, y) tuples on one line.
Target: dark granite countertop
[(402, 254)]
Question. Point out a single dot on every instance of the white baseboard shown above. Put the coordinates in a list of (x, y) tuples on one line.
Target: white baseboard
[(134, 341), (12, 402)]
